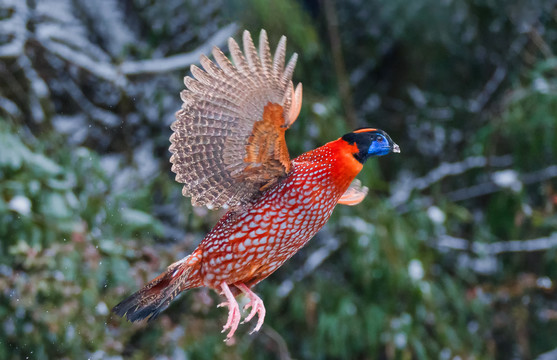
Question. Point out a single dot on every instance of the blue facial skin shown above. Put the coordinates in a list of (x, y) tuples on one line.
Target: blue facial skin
[(379, 147), (370, 143)]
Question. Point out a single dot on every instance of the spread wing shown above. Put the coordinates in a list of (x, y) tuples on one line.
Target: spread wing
[(228, 142)]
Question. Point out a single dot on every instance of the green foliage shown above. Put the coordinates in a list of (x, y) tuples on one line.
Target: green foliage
[(59, 224)]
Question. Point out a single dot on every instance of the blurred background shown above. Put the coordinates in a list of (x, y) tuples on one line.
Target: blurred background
[(452, 255)]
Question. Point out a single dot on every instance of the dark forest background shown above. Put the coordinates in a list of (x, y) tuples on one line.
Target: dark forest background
[(452, 255)]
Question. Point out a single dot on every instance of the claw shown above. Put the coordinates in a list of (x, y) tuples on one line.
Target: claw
[(256, 305), (234, 317), (233, 312)]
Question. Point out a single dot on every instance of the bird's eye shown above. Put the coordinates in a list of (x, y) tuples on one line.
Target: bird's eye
[(379, 139)]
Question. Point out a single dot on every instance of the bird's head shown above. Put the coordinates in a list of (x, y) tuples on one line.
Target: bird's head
[(370, 142)]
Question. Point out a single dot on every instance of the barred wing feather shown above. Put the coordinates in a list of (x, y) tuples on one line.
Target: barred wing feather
[(228, 141)]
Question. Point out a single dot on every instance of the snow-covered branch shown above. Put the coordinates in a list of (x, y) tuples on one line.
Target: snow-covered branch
[(404, 189), (550, 355), (117, 73), (13, 28), (504, 179), (496, 248), (103, 70), (179, 61), (508, 179)]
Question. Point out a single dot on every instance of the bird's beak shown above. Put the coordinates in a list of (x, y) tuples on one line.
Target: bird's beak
[(396, 148)]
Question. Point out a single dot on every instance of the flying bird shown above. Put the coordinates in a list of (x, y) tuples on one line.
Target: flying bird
[(228, 149)]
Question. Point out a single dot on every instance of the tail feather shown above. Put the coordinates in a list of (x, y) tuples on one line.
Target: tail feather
[(154, 297)]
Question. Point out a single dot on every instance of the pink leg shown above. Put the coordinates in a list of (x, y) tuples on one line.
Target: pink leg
[(233, 311), (257, 307)]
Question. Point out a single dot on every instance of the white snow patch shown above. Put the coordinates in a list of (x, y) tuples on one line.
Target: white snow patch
[(417, 96), (436, 215), (541, 85), (400, 340), (101, 308), (319, 109), (544, 282), (507, 179), (20, 204), (415, 269)]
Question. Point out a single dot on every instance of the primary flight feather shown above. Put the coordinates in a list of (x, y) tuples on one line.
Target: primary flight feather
[(229, 151)]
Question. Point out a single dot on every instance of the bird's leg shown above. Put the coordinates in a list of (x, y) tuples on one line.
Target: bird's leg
[(233, 311), (256, 305)]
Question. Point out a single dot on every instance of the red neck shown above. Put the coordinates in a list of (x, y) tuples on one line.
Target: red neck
[(340, 155)]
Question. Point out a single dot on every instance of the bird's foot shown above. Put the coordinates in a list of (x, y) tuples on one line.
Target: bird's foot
[(233, 312), (256, 305)]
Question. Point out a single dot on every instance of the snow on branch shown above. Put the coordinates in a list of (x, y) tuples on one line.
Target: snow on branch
[(507, 179), (13, 28), (504, 179), (117, 74), (403, 191), (9, 107), (179, 61), (550, 355), (499, 247), (103, 70)]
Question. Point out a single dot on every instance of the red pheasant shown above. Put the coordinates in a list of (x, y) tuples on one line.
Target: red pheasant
[(229, 151)]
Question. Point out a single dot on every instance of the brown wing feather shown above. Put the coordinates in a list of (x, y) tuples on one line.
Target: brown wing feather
[(266, 151), (228, 141)]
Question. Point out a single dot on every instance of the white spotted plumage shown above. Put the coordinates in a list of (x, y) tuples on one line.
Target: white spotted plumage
[(260, 237)]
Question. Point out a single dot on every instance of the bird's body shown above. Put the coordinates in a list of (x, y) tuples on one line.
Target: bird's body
[(277, 204), (250, 243)]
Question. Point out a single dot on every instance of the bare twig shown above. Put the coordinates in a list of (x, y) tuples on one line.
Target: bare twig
[(104, 116), (477, 104), (338, 60), (282, 347), (538, 40)]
